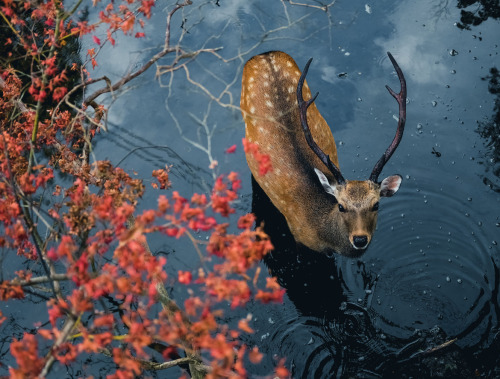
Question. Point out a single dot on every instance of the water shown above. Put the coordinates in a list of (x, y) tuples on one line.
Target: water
[(430, 276)]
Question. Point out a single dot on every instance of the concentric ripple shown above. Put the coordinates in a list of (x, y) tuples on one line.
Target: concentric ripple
[(433, 269)]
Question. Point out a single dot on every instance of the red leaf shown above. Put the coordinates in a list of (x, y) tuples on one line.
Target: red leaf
[(96, 40), (231, 149), (185, 277)]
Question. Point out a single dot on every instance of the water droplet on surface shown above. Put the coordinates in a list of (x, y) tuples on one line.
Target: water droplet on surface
[(448, 279), (434, 103), (311, 341), (459, 281), (453, 52)]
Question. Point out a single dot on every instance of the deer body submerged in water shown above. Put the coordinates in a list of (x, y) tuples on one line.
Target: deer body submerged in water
[(324, 212)]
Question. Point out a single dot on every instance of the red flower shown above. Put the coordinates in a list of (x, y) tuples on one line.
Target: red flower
[(185, 277)]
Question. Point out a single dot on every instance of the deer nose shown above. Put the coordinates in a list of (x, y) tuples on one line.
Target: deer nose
[(360, 242)]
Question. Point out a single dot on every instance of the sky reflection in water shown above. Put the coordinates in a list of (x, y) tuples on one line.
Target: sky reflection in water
[(431, 273)]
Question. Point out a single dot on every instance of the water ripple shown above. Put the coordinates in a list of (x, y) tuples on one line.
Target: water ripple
[(434, 268)]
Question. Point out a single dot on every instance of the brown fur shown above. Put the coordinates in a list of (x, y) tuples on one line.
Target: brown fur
[(271, 115)]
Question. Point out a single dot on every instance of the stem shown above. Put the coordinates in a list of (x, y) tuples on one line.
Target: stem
[(44, 83), (166, 49)]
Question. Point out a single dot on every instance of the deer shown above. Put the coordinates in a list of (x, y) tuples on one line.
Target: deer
[(324, 212)]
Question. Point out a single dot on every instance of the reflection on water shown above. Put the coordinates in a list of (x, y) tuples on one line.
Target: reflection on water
[(419, 315), (490, 131), (475, 12), (431, 274)]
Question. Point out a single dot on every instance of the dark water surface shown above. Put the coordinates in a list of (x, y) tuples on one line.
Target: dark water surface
[(430, 276), (431, 273)]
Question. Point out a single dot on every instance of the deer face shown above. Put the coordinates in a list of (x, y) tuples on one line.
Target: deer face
[(356, 209)]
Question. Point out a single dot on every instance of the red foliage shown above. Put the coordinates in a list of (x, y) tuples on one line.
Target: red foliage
[(231, 149), (25, 352), (263, 160), (86, 228), (162, 177), (9, 290)]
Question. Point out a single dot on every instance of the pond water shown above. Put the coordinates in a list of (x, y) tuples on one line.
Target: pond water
[(430, 276)]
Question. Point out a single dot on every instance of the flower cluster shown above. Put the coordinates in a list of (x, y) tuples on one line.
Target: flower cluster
[(78, 235)]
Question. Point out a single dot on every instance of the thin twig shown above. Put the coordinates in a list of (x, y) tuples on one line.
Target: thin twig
[(166, 49), (41, 280)]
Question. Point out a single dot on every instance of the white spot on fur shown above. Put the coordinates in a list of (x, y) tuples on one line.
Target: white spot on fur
[(269, 104), (289, 64), (252, 110)]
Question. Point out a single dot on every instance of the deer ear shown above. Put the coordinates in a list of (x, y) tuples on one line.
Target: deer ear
[(390, 185), (325, 183)]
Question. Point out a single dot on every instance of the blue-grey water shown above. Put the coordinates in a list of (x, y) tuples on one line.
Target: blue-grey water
[(430, 275)]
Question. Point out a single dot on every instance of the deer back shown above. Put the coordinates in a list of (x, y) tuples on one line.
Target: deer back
[(272, 119)]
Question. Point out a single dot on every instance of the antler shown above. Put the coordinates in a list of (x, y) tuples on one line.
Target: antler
[(303, 105), (401, 99)]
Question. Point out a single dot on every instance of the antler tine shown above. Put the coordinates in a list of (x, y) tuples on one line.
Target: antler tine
[(401, 99), (303, 105)]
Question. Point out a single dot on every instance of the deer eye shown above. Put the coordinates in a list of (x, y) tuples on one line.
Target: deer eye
[(342, 209), (375, 207)]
